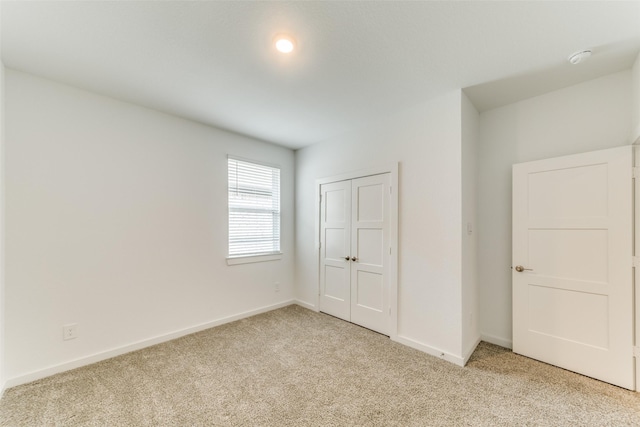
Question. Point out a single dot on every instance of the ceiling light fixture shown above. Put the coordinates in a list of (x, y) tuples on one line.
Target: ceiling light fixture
[(284, 43), (579, 56)]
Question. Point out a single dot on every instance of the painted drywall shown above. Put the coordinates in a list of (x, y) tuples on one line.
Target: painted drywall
[(425, 140), (470, 306), (116, 220), (2, 127), (635, 109), (589, 116)]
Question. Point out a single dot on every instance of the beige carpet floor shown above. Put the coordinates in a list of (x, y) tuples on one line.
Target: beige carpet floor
[(294, 367)]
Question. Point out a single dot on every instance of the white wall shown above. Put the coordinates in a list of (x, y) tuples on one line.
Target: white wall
[(589, 116), (2, 127), (116, 219), (425, 140), (470, 304), (635, 110)]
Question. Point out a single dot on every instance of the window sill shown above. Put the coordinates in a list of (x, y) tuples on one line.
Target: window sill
[(254, 258)]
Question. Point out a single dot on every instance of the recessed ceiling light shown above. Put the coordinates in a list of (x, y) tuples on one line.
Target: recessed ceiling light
[(579, 56), (284, 43)]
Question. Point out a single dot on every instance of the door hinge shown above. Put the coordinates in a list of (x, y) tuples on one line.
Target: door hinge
[(636, 352), (390, 190), (636, 172)]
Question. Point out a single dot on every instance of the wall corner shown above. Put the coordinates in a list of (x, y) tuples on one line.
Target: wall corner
[(635, 94)]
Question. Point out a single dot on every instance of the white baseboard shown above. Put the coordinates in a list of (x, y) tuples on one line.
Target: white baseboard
[(492, 339), (468, 354), (457, 360), (98, 357), (305, 304)]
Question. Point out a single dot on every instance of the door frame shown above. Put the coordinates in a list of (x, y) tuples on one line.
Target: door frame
[(636, 253), (392, 170)]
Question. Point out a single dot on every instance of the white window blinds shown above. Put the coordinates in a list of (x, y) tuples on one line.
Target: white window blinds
[(254, 209)]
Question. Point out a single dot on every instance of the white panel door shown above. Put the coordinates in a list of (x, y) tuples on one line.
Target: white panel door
[(354, 251), (335, 249), (370, 252), (572, 263)]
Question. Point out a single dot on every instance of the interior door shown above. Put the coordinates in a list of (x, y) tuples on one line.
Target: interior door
[(572, 263), (335, 249), (370, 252), (354, 251)]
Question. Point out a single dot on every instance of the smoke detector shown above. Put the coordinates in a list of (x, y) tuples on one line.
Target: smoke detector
[(579, 56)]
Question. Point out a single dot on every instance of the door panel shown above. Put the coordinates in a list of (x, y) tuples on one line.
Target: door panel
[(337, 198), (371, 199), (335, 229), (335, 243), (334, 285), (574, 192), (572, 226), (570, 254), (370, 246), (567, 314), (370, 291)]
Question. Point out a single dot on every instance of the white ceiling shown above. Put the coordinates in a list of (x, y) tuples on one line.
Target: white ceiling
[(356, 61)]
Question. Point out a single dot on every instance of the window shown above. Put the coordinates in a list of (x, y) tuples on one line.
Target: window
[(254, 209)]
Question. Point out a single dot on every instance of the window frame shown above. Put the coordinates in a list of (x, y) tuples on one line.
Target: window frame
[(261, 256)]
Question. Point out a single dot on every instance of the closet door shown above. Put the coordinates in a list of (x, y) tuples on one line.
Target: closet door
[(370, 252), (354, 251), (335, 249)]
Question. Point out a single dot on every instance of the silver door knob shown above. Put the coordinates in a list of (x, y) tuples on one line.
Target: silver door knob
[(520, 269), (354, 258), (347, 258)]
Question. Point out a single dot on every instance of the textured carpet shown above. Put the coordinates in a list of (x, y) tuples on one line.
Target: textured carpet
[(294, 367)]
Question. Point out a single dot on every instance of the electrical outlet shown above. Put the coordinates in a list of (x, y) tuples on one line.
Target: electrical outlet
[(70, 331), (276, 286)]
